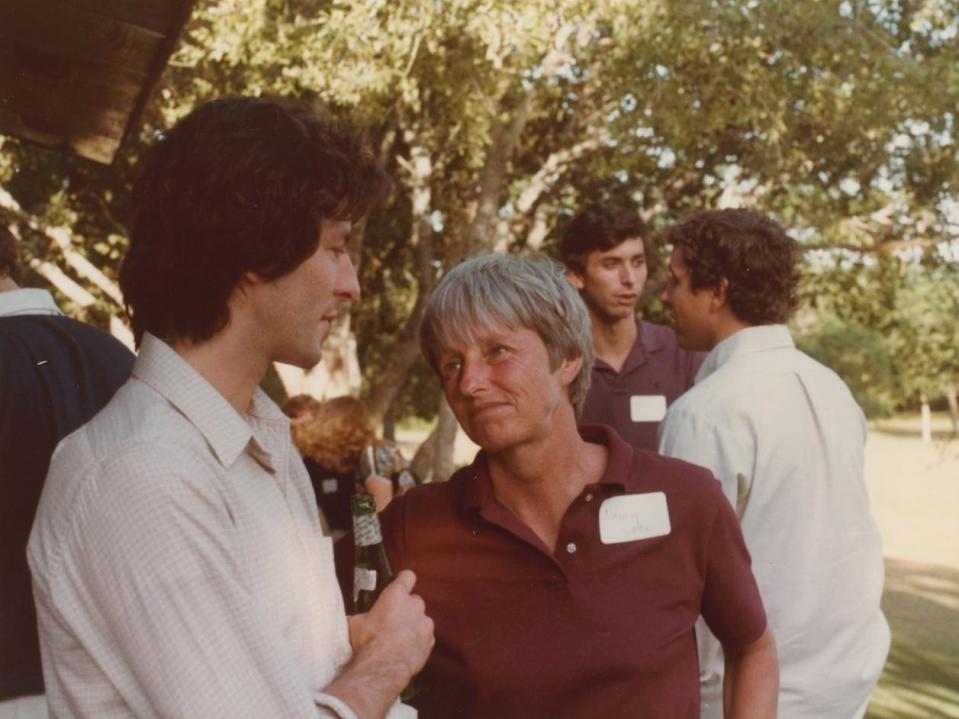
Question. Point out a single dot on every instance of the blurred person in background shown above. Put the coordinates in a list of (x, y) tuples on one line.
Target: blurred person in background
[(343, 456), (300, 408), (55, 374)]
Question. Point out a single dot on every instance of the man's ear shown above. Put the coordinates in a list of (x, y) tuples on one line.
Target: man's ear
[(575, 279), (719, 294), (250, 279), (569, 369)]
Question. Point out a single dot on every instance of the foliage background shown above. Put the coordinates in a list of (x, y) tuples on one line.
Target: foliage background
[(497, 119)]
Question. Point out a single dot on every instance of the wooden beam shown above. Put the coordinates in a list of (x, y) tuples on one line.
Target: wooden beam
[(65, 107), (183, 10), (52, 28), (74, 78), (161, 16)]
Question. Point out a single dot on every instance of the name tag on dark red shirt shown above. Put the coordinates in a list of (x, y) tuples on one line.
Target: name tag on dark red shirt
[(631, 517), (647, 407)]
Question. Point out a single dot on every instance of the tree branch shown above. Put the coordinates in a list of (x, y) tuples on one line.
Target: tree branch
[(62, 238), (406, 348), (59, 279)]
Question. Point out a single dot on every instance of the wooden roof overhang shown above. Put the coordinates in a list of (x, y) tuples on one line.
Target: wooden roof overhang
[(75, 74)]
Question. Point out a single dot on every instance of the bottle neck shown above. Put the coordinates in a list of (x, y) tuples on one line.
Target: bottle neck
[(366, 530)]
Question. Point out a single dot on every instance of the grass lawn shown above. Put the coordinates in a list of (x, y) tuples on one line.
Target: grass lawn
[(914, 490)]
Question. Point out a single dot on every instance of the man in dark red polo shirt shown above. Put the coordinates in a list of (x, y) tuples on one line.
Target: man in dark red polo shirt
[(564, 571), (640, 369)]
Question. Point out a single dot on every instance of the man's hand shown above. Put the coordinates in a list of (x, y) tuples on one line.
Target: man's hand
[(391, 643), (397, 621)]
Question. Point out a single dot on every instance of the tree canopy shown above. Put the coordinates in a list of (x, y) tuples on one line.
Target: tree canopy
[(497, 119)]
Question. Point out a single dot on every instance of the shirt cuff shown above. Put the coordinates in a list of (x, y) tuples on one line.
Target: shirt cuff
[(334, 707)]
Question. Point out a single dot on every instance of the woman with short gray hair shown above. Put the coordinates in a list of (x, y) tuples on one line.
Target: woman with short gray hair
[(511, 291), (564, 570)]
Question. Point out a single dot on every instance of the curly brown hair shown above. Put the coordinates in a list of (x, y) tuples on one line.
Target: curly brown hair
[(300, 403), (337, 435), (748, 250)]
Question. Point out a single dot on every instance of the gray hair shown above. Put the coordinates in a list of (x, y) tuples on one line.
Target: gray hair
[(513, 291)]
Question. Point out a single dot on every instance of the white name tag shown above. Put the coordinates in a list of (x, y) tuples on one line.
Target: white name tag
[(329, 485), (631, 517), (364, 580), (647, 407)]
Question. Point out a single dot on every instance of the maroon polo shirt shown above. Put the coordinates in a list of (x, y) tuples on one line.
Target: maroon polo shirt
[(655, 366), (599, 630)]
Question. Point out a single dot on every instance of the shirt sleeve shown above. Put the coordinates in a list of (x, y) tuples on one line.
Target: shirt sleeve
[(724, 451), (153, 585), (732, 606), (333, 708)]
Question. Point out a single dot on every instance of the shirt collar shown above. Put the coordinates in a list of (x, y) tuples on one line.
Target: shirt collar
[(621, 453), (745, 341), (225, 430), (478, 492), (646, 343), (651, 341), (27, 301)]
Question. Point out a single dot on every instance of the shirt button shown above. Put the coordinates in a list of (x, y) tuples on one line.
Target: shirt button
[(588, 497), (571, 547)]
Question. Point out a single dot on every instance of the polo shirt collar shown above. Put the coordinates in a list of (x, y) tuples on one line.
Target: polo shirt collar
[(745, 341), (478, 492), (621, 453), (479, 488), (646, 343), (224, 429), (27, 301)]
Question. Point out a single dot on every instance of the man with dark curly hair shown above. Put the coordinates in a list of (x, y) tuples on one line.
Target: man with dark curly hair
[(640, 369), (178, 562), (785, 438)]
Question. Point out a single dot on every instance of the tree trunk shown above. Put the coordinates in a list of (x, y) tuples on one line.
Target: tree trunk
[(64, 283), (389, 423), (422, 464), (337, 373), (401, 358), (481, 236), (951, 391), (445, 439), (926, 418), (406, 349)]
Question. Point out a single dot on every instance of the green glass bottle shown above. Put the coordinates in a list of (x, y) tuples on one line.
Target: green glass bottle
[(371, 566)]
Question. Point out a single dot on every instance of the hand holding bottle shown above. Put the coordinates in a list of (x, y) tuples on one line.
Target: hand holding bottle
[(391, 642), (396, 629)]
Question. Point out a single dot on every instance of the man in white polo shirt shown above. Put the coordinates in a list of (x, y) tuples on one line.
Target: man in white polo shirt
[(178, 563), (785, 438)]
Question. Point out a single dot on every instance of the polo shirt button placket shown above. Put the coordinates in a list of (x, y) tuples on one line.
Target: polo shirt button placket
[(571, 548), (588, 497)]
